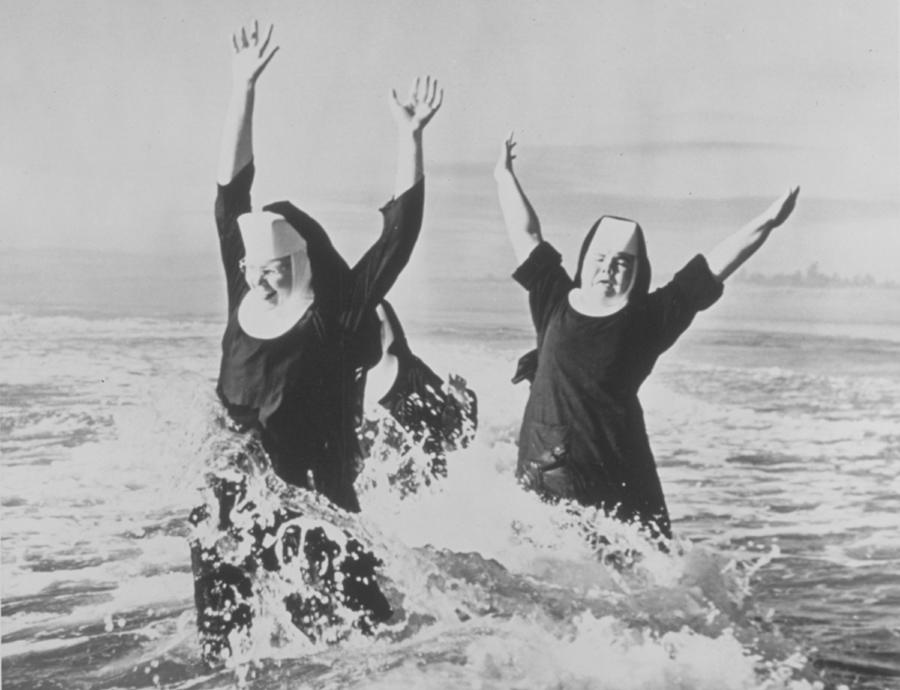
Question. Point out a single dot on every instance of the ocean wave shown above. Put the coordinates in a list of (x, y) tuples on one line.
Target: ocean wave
[(774, 476), (22, 323)]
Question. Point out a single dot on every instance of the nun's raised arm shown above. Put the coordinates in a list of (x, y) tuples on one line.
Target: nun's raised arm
[(522, 224), (727, 256), (412, 115), (253, 50)]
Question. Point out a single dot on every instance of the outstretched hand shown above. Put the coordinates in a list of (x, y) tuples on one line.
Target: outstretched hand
[(505, 161), (731, 253), (252, 53), (423, 102), (779, 211)]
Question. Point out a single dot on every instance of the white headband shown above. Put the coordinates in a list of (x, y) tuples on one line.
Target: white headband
[(617, 230), (268, 236)]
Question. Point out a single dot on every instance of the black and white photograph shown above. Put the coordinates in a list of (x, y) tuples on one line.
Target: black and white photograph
[(491, 344)]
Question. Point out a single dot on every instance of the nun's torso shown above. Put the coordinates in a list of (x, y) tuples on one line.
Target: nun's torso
[(299, 389), (583, 435), (294, 387)]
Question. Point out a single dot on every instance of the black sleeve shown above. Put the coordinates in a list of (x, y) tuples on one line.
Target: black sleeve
[(672, 308), (526, 367), (378, 269), (432, 415), (232, 200), (547, 283)]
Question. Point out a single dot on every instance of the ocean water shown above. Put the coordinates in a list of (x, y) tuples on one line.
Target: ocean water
[(778, 447)]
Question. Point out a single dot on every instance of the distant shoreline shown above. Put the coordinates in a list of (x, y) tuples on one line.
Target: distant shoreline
[(814, 278)]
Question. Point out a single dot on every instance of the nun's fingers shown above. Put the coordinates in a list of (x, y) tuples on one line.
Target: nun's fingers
[(267, 60), (265, 44), (440, 99), (787, 208), (781, 208), (437, 94)]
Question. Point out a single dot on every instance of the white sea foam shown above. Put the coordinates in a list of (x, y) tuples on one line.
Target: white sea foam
[(767, 468)]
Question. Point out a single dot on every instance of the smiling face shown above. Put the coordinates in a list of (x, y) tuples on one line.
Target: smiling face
[(275, 262), (271, 282), (611, 261)]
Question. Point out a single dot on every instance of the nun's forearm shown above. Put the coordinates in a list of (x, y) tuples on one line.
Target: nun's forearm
[(727, 256), (522, 224), (410, 161), (236, 149)]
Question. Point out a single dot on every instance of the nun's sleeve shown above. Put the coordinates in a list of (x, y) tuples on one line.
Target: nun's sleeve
[(232, 200), (378, 269), (547, 283), (672, 308), (459, 422)]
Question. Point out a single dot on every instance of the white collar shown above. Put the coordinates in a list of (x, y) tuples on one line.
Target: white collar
[(264, 322), (601, 308)]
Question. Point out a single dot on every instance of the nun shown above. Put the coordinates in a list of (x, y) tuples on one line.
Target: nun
[(298, 316), (599, 334), (300, 324)]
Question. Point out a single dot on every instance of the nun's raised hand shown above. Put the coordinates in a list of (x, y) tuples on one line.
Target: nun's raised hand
[(780, 210), (253, 50), (506, 158), (424, 100)]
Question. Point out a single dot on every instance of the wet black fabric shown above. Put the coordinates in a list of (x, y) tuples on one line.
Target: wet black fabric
[(419, 402), (434, 419), (299, 389), (340, 573), (583, 435)]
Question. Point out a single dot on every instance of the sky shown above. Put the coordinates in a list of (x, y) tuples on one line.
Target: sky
[(112, 112)]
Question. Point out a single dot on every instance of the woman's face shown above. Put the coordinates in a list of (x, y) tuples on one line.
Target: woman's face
[(610, 263), (272, 282)]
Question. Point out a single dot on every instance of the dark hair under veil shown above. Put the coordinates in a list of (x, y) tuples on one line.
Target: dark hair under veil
[(331, 282), (329, 270)]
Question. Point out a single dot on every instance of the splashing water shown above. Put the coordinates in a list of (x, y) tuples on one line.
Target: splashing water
[(106, 453)]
